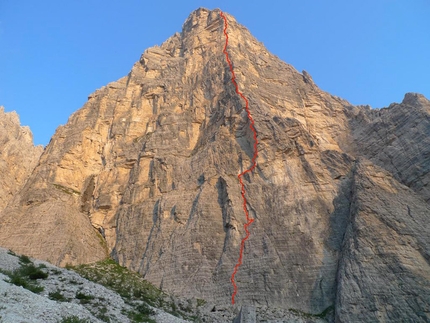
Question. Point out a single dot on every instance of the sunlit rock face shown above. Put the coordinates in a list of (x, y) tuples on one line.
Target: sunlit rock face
[(146, 171), (18, 155)]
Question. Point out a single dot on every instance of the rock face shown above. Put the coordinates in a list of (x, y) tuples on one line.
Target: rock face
[(397, 138), (18, 156), (384, 268), (147, 171)]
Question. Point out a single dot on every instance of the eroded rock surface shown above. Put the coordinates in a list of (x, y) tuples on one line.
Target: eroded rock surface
[(147, 171), (397, 139), (384, 273), (18, 155)]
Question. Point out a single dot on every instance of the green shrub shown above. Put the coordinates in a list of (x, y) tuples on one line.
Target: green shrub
[(26, 275), (83, 298), (57, 296), (144, 309), (23, 259), (73, 319), (139, 317), (55, 271), (200, 302), (18, 280), (33, 272), (101, 315)]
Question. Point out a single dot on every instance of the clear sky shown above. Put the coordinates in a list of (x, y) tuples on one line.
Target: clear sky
[(53, 53)]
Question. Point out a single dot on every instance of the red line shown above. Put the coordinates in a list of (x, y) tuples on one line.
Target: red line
[(250, 169)]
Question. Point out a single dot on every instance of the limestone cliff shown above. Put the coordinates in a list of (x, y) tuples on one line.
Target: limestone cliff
[(397, 138), (147, 171), (18, 155), (384, 271)]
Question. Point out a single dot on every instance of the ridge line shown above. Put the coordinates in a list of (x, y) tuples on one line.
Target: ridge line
[(250, 169)]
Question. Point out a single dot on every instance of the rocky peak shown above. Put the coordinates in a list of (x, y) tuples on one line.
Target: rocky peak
[(18, 155), (397, 139), (415, 99)]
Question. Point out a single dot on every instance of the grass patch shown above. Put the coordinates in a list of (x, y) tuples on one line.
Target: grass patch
[(23, 259), (32, 272), (84, 298), (57, 296), (144, 309), (67, 190), (17, 279), (141, 313), (27, 275), (127, 284), (322, 315), (56, 271), (73, 319), (135, 291), (139, 317), (200, 302), (101, 314)]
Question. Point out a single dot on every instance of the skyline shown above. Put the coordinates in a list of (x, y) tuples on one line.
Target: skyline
[(52, 56)]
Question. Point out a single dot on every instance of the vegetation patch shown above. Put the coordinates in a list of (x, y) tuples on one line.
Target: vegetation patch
[(23, 259), (73, 319), (27, 275), (55, 271), (101, 314), (57, 296), (67, 190), (139, 317), (84, 298), (135, 291), (145, 137), (141, 313), (200, 302), (127, 284), (74, 282), (323, 314)]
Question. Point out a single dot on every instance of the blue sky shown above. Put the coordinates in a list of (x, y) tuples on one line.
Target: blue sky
[(53, 54)]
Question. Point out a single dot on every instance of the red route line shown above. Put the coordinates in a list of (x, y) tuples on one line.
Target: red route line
[(250, 169)]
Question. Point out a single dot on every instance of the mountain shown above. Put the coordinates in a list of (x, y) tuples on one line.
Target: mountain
[(18, 155), (147, 172)]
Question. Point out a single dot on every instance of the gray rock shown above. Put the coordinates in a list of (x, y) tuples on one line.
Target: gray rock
[(384, 273), (397, 138), (246, 315)]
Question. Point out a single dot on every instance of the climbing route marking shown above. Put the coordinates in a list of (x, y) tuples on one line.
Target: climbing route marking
[(250, 169)]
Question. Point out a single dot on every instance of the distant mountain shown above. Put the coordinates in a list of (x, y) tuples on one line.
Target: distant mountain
[(146, 171)]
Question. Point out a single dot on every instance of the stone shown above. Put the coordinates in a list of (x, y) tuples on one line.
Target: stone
[(246, 315)]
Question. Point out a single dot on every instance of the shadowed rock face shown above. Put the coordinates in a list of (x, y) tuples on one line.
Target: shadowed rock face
[(18, 156), (397, 139), (384, 268), (147, 171)]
